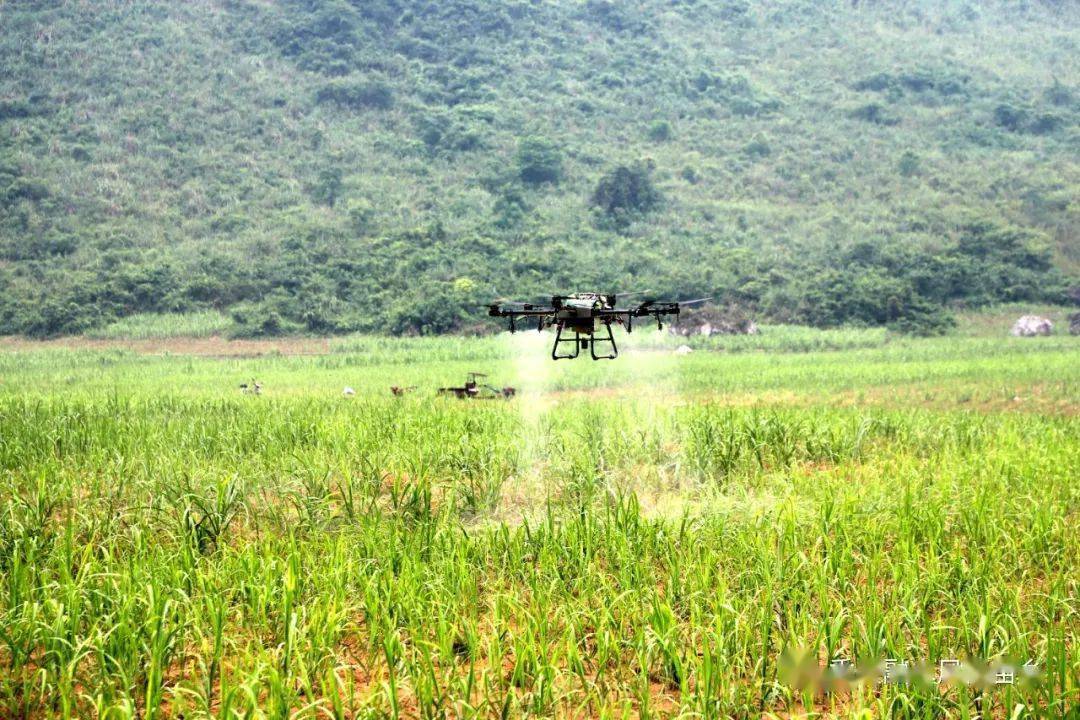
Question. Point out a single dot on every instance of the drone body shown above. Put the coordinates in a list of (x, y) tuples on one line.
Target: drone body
[(588, 316)]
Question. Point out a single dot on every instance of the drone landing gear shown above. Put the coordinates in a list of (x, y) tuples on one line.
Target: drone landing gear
[(609, 341), (559, 340), (580, 343)]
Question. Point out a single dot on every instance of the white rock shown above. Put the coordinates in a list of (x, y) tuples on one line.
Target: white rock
[(1032, 325)]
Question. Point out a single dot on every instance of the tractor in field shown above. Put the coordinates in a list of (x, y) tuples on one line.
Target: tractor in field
[(473, 389)]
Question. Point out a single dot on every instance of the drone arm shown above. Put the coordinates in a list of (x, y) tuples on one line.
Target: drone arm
[(496, 311), (651, 309), (528, 311)]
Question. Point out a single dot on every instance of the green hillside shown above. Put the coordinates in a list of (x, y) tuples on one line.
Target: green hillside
[(387, 165)]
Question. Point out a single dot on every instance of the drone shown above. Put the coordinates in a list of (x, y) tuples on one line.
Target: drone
[(589, 317)]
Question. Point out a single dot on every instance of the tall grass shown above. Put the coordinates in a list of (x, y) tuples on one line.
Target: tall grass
[(153, 326), (169, 547)]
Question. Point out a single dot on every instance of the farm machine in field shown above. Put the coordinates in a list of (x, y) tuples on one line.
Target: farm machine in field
[(474, 389)]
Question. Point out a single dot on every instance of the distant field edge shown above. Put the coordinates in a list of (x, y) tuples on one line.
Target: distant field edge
[(212, 333)]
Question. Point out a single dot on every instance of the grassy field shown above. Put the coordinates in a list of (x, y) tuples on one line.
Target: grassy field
[(658, 536)]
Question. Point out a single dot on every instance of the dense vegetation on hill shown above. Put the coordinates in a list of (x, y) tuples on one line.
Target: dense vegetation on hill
[(387, 165)]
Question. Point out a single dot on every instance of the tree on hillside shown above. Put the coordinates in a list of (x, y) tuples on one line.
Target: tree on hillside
[(327, 186), (625, 192), (539, 161)]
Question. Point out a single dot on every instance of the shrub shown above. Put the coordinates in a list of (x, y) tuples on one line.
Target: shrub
[(441, 131), (257, 321), (909, 164), (327, 187), (538, 161), (660, 131), (626, 190), (877, 82), (356, 94), (18, 109), (430, 313), (1010, 117), (920, 80), (758, 147), (923, 319), (734, 11), (361, 215), (612, 15), (25, 189), (875, 113), (510, 207), (1059, 95), (1045, 123)]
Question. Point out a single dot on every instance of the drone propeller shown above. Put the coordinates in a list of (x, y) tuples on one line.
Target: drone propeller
[(502, 302), (680, 303)]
